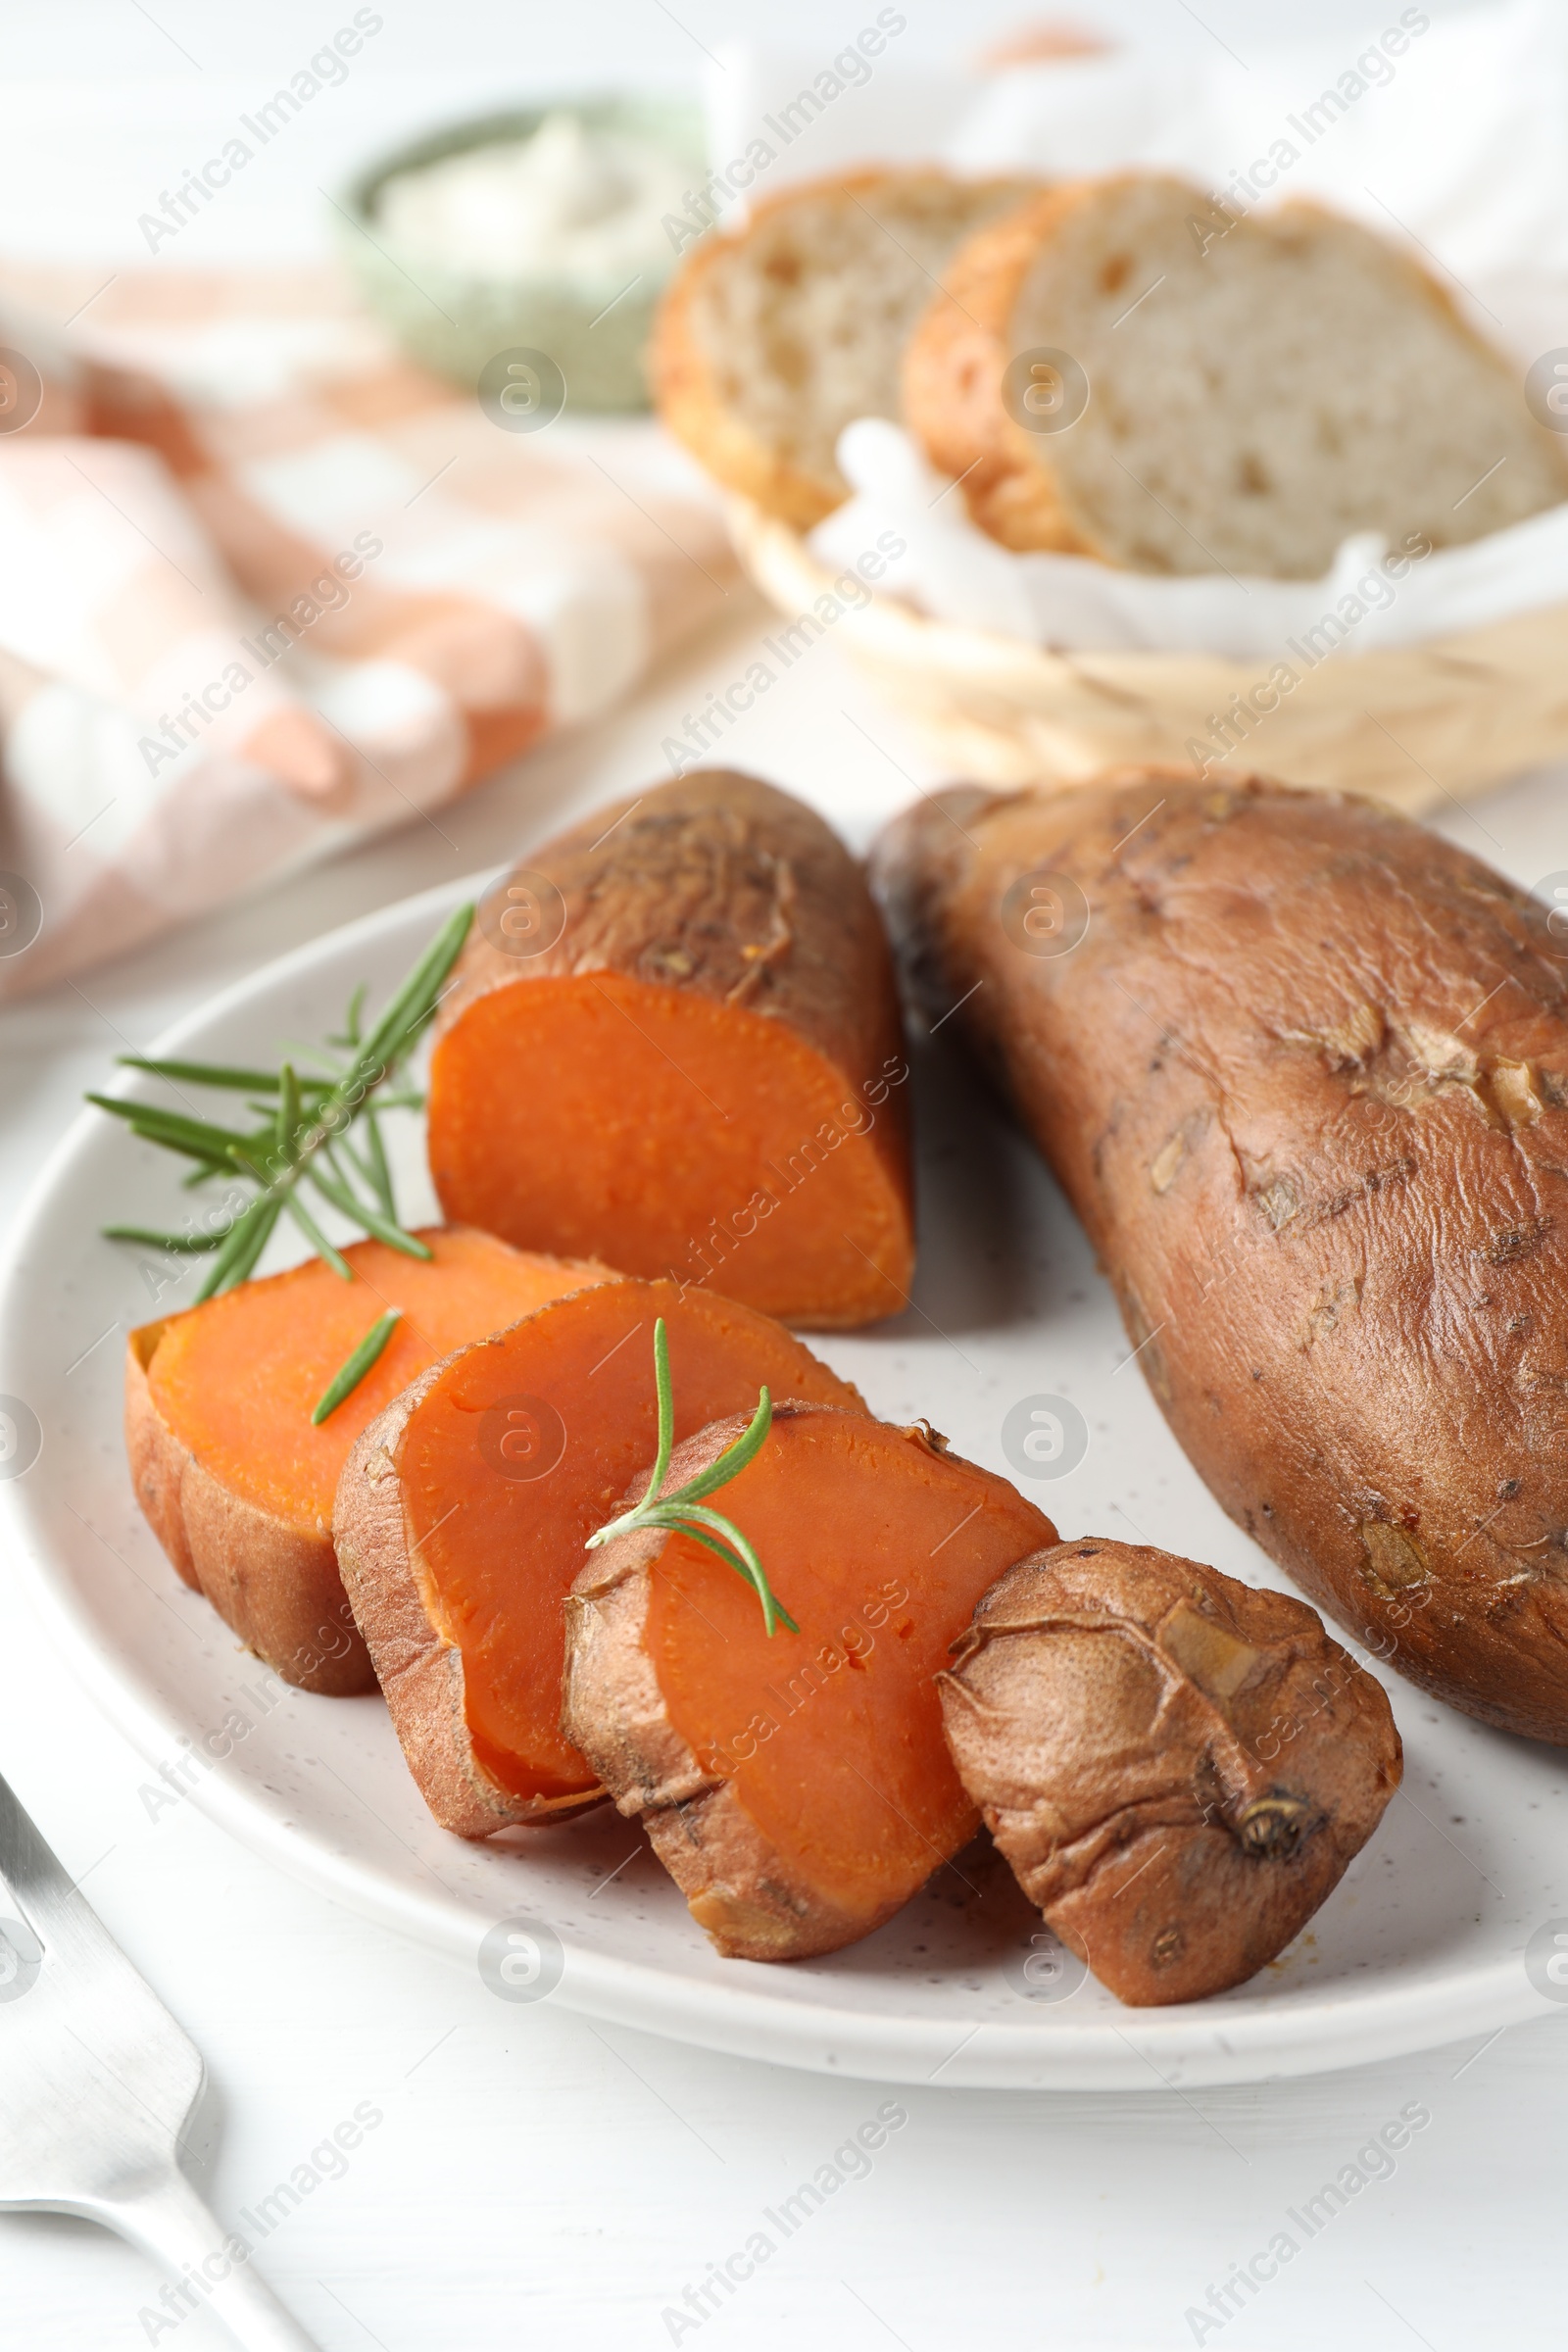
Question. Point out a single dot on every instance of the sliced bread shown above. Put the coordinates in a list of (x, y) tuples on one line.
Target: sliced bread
[(775, 336), (1257, 388)]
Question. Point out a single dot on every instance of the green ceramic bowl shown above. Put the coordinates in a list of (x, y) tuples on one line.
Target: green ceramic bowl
[(458, 323)]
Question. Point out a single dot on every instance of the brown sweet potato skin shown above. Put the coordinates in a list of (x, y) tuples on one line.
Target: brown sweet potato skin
[(1305, 1081), (1178, 1767), (278, 1587), (721, 888)]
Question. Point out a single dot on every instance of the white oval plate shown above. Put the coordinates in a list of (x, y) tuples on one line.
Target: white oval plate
[(1422, 1942)]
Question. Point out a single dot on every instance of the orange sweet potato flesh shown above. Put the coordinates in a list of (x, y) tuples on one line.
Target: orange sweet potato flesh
[(701, 1075), (463, 1514), (237, 1482), (798, 1787)]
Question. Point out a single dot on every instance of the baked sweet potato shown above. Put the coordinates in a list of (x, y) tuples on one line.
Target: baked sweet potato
[(796, 1786), (464, 1510), (1178, 1767), (1304, 1077), (677, 1043), (234, 1477)]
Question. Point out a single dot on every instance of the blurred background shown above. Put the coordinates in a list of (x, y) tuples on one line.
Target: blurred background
[(103, 100)]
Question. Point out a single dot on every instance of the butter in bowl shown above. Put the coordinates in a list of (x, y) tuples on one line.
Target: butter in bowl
[(540, 230)]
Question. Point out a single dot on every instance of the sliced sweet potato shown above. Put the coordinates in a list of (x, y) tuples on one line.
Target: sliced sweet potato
[(797, 1787), (234, 1479), (1178, 1767), (463, 1513), (676, 1043)]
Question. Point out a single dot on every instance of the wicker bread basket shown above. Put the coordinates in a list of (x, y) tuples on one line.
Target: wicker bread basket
[(1416, 726)]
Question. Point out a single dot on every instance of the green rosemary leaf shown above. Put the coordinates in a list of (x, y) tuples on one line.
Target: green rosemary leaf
[(188, 1244), (377, 1171), (732, 1460), (166, 1142), (241, 1247), (197, 1137), (666, 1398), (288, 1109), (345, 1381), (204, 1073), (399, 1026), (372, 1219), (313, 1232)]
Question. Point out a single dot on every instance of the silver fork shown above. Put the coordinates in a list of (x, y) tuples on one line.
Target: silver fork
[(98, 2085)]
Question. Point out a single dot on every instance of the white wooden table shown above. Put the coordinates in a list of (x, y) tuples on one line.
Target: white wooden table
[(534, 2178)]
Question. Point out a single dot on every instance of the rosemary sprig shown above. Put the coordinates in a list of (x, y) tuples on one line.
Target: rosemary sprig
[(681, 1514), (348, 1377), (303, 1135)]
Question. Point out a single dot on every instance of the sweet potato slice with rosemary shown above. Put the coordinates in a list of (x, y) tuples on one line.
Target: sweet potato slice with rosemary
[(1178, 1767), (234, 1477), (797, 1787), (464, 1511), (674, 1041)]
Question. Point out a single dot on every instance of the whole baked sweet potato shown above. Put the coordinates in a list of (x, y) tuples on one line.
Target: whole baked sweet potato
[(1302, 1069)]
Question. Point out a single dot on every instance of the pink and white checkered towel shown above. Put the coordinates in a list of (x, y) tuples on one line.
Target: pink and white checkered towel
[(266, 587)]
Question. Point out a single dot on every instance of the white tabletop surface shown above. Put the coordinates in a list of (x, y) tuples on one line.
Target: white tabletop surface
[(536, 2179)]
